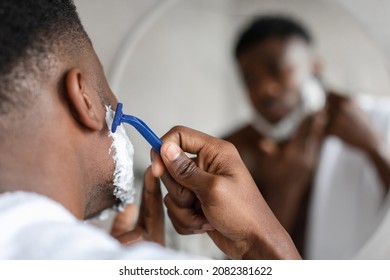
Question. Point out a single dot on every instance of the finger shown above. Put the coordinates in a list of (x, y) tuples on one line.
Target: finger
[(186, 220), (184, 170), (151, 216), (180, 229), (132, 237), (124, 221), (182, 196), (191, 141), (208, 149)]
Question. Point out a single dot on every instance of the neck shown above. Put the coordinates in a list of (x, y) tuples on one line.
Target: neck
[(40, 165)]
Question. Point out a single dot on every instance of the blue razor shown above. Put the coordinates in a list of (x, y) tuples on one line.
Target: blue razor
[(139, 125)]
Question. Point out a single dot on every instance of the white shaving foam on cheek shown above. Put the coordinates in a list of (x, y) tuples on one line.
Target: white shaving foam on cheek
[(122, 152)]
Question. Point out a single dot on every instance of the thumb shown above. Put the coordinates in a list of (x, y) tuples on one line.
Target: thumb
[(183, 169)]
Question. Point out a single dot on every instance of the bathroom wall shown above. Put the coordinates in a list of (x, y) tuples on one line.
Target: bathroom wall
[(170, 61)]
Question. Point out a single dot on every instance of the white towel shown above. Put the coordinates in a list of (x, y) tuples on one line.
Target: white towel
[(347, 204), (35, 227), (378, 245)]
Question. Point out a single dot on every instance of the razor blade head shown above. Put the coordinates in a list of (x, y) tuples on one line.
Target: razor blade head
[(117, 117)]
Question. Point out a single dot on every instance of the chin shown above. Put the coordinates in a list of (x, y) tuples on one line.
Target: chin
[(275, 115), (275, 118), (96, 205)]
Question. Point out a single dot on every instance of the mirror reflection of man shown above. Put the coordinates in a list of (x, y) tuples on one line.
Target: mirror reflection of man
[(282, 145)]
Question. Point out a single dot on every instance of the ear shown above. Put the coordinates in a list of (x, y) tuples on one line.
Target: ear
[(84, 100)]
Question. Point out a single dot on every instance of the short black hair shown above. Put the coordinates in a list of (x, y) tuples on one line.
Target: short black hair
[(33, 33), (265, 27)]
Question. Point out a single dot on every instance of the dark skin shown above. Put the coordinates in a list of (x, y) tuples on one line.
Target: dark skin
[(66, 159), (199, 203), (206, 194), (60, 149), (284, 171), (215, 193), (72, 166), (348, 122), (273, 72)]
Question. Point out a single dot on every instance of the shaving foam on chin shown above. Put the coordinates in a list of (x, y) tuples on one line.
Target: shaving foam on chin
[(312, 99), (122, 152)]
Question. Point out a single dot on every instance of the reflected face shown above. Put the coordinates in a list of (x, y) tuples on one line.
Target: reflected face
[(273, 71)]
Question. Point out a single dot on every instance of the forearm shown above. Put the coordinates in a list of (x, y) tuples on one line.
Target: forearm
[(274, 244)]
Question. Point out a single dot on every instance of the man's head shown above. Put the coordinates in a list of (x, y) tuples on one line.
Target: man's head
[(53, 94), (275, 59)]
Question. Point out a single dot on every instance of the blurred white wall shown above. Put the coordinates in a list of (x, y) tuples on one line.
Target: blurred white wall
[(169, 61), (374, 17)]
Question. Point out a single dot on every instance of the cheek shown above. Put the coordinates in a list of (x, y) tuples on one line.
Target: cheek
[(107, 165)]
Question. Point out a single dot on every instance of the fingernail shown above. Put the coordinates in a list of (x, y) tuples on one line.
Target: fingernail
[(172, 152), (207, 227)]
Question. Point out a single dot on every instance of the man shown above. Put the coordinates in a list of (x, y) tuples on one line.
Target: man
[(276, 62), (282, 146), (58, 160)]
